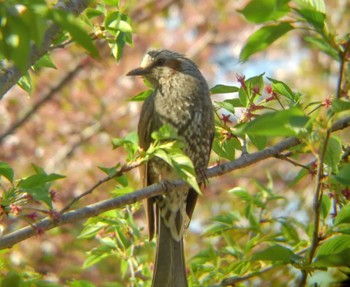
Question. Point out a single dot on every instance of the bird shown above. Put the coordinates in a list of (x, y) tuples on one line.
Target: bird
[(180, 99)]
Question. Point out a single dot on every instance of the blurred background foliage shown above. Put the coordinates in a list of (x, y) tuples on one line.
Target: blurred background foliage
[(68, 108)]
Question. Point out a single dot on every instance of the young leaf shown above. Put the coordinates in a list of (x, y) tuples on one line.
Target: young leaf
[(325, 206), (340, 106), (141, 96), (343, 215), (274, 253), (81, 283), (182, 165), (335, 251), (343, 175), (273, 10), (314, 15), (38, 180), (223, 89), (323, 45), (333, 153), (6, 171), (129, 143), (25, 82), (44, 62), (264, 37), (70, 24), (284, 90), (281, 123), (226, 149)]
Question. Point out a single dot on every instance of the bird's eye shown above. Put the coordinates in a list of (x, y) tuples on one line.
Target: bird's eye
[(160, 62)]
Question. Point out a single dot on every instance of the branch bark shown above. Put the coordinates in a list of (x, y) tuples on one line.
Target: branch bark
[(10, 75), (95, 209)]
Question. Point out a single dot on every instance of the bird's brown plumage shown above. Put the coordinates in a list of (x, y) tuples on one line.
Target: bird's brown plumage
[(181, 100)]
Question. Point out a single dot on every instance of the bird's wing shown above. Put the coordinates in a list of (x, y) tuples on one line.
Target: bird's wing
[(144, 133)]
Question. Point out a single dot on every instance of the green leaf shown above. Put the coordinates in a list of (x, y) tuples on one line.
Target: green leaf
[(241, 193), (226, 149), (284, 90), (325, 206), (274, 253), (110, 171), (81, 283), (262, 38), (129, 143), (340, 106), (38, 186), (258, 141), (333, 153), (334, 251), (323, 45), (17, 40), (272, 10), (182, 165), (166, 132), (343, 215), (6, 171), (11, 279), (92, 13), (141, 96), (223, 89), (25, 82), (69, 23), (281, 123), (91, 230), (38, 180), (229, 105), (117, 21), (343, 175), (289, 232), (96, 255), (44, 62), (313, 12)]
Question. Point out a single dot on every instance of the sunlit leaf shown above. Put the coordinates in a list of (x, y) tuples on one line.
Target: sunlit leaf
[(340, 105), (284, 90), (343, 176), (70, 24), (343, 215), (274, 253), (273, 10), (262, 38), (281, 123), (323, 45), (334, 251), (223, 89), (25, 82), (226, 149), (6, 171), (333, 153), (325, 206)]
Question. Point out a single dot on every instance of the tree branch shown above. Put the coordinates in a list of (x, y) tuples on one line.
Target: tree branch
[(95, 209), (70, 76), (10, 75)]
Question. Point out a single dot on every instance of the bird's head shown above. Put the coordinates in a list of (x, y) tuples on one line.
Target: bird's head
[(160, 66)]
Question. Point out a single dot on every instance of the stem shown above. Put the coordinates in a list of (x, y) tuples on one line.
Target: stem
[(316, 209), (342, 56)]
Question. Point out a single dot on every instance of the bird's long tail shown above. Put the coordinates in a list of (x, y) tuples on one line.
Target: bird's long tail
[(170, 270)]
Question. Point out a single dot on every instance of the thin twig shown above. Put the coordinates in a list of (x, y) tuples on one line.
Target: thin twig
[(343, 57), (10, 75), (124, 169), (316, 209)]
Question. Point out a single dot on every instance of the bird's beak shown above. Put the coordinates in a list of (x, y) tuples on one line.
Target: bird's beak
[(138, 72)]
